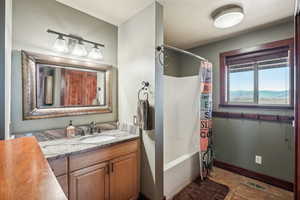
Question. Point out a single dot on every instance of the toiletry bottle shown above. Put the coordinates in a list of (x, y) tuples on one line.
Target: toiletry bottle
[(70, 130)]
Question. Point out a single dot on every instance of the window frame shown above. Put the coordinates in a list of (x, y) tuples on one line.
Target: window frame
[(258, 50)]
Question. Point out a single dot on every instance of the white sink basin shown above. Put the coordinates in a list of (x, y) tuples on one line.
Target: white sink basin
[(97, 139)]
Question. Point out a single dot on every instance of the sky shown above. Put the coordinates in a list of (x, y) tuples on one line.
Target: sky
[(276, 79)]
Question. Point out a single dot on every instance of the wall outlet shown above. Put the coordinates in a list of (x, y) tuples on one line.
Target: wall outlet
[(258, 160)]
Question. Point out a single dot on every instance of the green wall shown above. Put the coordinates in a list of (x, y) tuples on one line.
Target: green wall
[(238, 141)]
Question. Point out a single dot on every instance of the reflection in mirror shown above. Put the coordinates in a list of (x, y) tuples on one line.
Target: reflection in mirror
[(58, 87), (69, 87)]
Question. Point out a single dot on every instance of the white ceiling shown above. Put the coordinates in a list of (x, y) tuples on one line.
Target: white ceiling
[(188, 22)]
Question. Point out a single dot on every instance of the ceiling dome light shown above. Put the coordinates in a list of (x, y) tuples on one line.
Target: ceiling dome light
[(228, 16), (96, 53), (60, 45), (79, 49)]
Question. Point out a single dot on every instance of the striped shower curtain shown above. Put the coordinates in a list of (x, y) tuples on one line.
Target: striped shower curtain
[(206, 151)]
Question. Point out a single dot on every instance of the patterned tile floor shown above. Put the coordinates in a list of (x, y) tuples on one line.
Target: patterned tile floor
[(241, 188)]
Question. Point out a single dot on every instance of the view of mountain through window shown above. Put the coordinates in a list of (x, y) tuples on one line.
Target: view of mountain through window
[(265, 83), (274, 86), (241, 87)]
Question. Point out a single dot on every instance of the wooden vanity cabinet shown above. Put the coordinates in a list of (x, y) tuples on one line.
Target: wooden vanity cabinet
[(60, 170), (63, 182), (124, 177), (111, 173), (90, 183)]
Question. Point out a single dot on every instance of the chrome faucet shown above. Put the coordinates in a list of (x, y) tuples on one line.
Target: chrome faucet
[(93, 128)]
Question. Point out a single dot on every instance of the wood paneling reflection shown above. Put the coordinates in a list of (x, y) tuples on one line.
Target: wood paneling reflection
[(80, 88)]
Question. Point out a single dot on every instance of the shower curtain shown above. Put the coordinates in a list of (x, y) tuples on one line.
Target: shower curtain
[(206, 151)]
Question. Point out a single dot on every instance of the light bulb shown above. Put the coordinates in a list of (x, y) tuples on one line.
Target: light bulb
[(95, 53), (60, 45), (79, 50)]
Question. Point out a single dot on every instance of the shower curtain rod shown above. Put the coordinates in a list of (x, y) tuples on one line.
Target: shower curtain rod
[(181, 51)]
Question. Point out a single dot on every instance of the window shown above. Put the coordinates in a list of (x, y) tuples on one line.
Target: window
[(241, 84), (260, 78)]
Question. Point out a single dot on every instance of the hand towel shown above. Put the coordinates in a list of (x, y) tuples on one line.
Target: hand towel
[(144, 115)]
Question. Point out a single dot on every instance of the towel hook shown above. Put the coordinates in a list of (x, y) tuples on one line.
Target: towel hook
[(145, 85)]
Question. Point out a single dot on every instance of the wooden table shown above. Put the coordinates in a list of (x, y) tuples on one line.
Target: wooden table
[(25, 173)]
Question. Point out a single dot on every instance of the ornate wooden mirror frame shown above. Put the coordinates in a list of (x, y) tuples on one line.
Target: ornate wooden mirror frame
[(29, 76)]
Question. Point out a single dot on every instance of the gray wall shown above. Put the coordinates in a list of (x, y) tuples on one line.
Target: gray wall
[(8, 50), (5, 67), (31, 19), (172, 61), (238, 141), (137, 63), (2, 69)]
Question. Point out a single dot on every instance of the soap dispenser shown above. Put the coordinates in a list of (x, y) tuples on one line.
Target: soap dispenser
[(70, 130)]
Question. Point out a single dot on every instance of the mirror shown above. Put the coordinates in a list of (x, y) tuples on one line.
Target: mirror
[(66, 87), (55, 87)]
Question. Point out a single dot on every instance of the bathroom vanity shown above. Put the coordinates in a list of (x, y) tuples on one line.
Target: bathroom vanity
[(103, 165), (107, 173), (93, 166)]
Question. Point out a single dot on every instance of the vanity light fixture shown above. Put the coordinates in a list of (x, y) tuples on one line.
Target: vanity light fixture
[(79, 48), (228, 16), (96, 53), (60, 45)]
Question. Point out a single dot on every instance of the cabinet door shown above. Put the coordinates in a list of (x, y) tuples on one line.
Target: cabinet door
[(124, 177), (63, 181), (90, 183)]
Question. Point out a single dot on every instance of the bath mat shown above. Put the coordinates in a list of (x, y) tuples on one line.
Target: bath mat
[(203, 190)]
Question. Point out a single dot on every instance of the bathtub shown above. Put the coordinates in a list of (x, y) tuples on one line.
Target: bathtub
[(181, 133), (179, 173)]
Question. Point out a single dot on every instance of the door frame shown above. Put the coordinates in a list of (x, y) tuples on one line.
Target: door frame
[(297, 101)]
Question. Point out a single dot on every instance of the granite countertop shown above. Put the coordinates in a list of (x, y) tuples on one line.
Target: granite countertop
[(54, 143), (54, 149)]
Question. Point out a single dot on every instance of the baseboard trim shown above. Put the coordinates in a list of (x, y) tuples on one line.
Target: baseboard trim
[(260, 177)]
